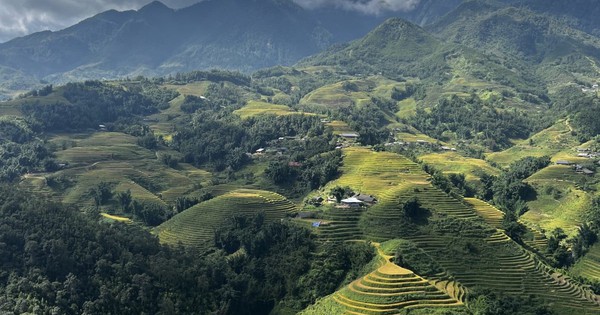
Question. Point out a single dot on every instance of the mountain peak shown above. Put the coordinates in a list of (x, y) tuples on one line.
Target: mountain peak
[(154, 6)]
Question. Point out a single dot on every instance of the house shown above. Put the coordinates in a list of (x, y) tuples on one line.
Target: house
[(584, 155), (366, 198), (349, 135), (587, 171), (352, 202), (583, 150), (260, 151), (563, 162), (595, 86), (102, 127), (446, 148), (306, 215), (453, 149), (295, 164)]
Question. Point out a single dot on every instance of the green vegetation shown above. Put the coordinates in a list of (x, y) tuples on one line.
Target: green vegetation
[(196, 225), (237, 180)]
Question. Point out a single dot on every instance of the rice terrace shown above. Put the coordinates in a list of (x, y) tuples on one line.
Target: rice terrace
[(280, 157)]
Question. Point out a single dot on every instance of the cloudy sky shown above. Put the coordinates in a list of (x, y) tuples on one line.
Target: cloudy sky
[(22, 17)]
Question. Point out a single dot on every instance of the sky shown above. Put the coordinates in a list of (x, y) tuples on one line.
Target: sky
[(22, 17)]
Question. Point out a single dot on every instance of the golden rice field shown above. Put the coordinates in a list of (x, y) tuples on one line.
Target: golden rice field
[(390, 289)]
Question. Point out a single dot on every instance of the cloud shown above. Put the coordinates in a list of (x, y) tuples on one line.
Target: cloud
[(22, 17), (365, 6)]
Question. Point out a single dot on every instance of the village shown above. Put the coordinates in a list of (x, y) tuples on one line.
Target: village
[(581, 169)]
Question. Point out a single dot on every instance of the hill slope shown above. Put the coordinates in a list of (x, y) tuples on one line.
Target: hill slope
[(195, 226)]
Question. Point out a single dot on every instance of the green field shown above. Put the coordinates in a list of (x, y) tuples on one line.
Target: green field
[(589, 265), (254, 108), (551, 141), (195, 226), (452, 162)]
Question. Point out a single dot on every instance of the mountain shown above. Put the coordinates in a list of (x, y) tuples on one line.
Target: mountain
[(157, 40), (395, 46), (550, 46)]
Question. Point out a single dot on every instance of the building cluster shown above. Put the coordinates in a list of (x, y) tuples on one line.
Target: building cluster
[(580, 169)]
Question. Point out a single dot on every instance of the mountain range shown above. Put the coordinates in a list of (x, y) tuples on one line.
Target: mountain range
[(250, 35)]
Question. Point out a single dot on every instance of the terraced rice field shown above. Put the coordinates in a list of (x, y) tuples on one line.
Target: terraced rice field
[(549, 213), (492, 216), (589, 265), (387, 209), (343, 225), (195, 226), (452, 162), (556, 173), (373, 173), (254, 108), (550, 142), (390, 289), (502, 265)]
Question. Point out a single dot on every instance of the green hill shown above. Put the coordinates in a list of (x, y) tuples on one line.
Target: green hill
[(527, 39), (195, 226)]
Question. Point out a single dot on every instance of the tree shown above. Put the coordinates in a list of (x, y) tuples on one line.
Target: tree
[(512, 227), (102, 193), (125, 199), (341, 192)]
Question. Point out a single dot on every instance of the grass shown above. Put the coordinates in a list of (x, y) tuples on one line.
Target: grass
[(413, 137), (407, 108), (452, 162), (589, 265), (255, 108), (549, 213), (194, 89), (339, 127), (334, 95), (116, 158), (551, 141), (195, 226)]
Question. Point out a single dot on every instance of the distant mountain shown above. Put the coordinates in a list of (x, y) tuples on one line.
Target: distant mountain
[(397, 46), (556, 49), (156, 40)]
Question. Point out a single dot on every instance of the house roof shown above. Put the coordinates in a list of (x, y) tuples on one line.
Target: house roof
[(351, 200), (587, 171), (563, 162), (349, 135), (365, 198)]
